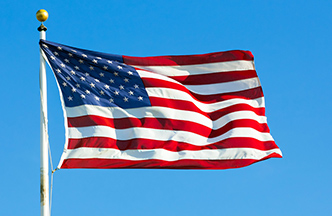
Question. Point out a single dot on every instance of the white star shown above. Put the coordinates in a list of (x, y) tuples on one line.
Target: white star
[(64, 84), (87, 74), (111, 81), (121, 87), (70, 55), (59, 48), (81, 61), (116, 93), (140, 98), (68, 77), (107, 86), (136, 86), (119, 67), (97, 80), (97, 98), (95, 61), (52, 57), (73, 89), (73, 51), (130, 73), (101, 74), (125, 99), (101, 92), (91, 68), (131, 93), (82, 96), (66, 60), (82, 78), (72, 72), (77, 68), (116, 74), (70, 98), (111, 100), (78, 85), (105, 67), (44, 45), (58, 70), (92, 85), (110, 62), (84, 56), (98, 58), (62, 65), (87, 91), (55, 53), (126, 80)]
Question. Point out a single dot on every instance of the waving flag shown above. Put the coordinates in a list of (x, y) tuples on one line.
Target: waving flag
[(177, 112)]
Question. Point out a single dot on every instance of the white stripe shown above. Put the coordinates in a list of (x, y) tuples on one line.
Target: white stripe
[(226, 87), (222, 121), (164, 135), (185, 70), (162, 154), (159, 112), (147, 74), (168, 113), (143, 112)]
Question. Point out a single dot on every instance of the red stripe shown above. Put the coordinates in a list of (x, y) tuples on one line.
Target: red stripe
[(190, 106), (253, 93), (166, 124), (174, 146), (163, 123), (247, 94), (216, 114), (221, 77), (189, 59), (124, 123), (159, 164)]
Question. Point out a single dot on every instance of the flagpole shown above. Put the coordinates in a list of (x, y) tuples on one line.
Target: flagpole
[(42, 16)]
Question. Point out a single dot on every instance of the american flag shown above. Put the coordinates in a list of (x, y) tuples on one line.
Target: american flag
[(177, 112)]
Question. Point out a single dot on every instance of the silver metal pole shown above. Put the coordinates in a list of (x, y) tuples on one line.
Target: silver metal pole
[(44, 167)]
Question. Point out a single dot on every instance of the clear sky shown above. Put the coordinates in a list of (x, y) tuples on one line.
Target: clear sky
[(291, 42)]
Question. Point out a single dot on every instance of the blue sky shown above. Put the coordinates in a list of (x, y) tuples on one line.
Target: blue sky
[(291, 42)]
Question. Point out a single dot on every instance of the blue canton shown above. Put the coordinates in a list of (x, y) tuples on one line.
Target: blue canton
[(87, 77)]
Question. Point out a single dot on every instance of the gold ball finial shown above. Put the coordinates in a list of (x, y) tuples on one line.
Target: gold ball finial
[(42, 15)]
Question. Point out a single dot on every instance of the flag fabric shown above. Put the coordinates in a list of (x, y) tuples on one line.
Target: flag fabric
[(176, 112)]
